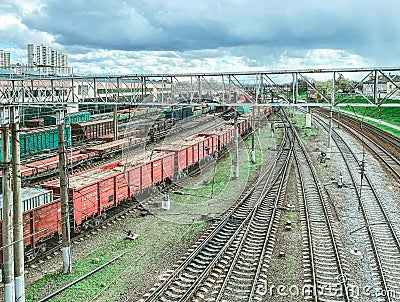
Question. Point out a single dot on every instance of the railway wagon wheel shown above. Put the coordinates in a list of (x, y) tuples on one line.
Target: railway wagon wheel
[(85, 225), (35, 252)]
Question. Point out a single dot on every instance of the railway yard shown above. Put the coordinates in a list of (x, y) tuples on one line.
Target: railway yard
[(157, 216)]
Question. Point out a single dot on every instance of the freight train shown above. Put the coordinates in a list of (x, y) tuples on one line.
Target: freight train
[(44, 134), (49, 166), (102, 126), (33, 141), (92, 193), (95, 130), (84, 127)]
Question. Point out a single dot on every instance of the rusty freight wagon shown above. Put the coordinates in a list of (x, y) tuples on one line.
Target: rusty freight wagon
[(190, 151), (146, 171), (92, 129), (91, 193), (41, 220)]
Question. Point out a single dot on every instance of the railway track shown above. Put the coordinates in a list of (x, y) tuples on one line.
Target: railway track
[(379, 134), (385, 146), (235, 248), (325, 267), (381, 228)]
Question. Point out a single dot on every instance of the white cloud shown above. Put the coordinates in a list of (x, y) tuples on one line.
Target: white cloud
[(137, 36)]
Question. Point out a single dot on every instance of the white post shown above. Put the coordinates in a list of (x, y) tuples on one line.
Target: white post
[(329, 148)]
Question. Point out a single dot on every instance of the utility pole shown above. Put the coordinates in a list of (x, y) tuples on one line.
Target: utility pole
[(8, 248), (199, 87), (66, 249), (115, 122), (329, 148), (253, 150), (253, 124), (261, 101), (19, 268), (236, 141)]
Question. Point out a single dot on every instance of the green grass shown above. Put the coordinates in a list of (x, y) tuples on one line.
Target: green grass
[(299, 121), (145, 252), (387, 114)]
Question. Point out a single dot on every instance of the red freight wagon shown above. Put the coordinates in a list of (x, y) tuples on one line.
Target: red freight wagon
[(243, 124), (92, 129), (224, 135), (39, 122), (41, 219), (123, 134), (92, 192), (144, 171), (51, 163), (190, 151), (110, 146), (25, 171)]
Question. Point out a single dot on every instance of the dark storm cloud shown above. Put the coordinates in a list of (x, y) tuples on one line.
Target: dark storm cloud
[(194, 25), (208, 35)]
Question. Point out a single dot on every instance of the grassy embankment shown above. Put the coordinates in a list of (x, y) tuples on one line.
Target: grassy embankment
[(387, 114)]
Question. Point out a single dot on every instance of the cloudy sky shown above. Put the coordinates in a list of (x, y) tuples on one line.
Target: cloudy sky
[(180, 36)]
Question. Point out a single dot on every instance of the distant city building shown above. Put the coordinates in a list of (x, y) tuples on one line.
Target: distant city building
[(4, 59), (44, 58)]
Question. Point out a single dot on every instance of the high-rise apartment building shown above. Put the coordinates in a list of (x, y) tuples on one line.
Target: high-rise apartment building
[(4, 59), (44, 56)]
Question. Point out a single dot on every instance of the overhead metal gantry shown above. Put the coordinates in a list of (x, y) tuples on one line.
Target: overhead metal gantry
[(371, 87), (323, 88)]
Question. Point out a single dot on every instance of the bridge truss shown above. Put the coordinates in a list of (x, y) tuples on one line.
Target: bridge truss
[(324, 87)]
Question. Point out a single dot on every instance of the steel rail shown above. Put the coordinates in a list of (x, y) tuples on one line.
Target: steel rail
[(369, 225), (230, 213), (389, 159), (333, 240)]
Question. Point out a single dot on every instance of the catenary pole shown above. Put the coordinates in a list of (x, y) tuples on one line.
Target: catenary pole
[(329, 148), (19, 268), (236, 155), (8, 250), (253, 124), (115, 122), (66, 246)]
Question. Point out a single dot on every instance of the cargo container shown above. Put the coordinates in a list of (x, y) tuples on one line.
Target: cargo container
[(33, 141), (125, 114), (178, 112), (242, 110), (92, 129), (73, 117)]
